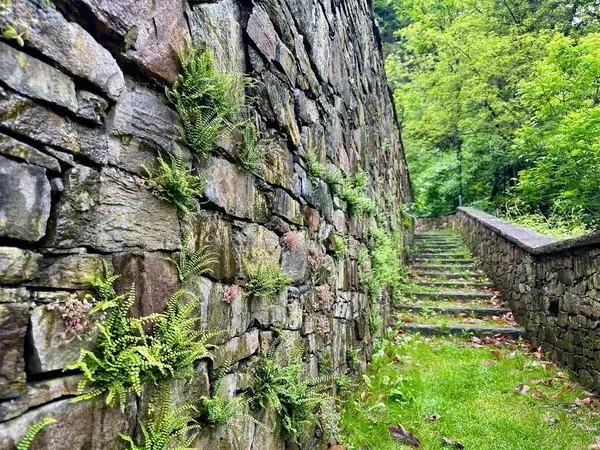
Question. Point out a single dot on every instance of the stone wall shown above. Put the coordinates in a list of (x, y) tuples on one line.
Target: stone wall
[(82, 109), (553, 287), (433, 223)]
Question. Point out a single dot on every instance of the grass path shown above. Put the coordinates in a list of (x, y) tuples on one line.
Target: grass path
[(471, 388)]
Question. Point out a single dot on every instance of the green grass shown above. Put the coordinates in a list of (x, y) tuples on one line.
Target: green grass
[(415, 377)]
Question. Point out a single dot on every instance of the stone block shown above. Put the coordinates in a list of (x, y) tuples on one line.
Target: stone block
[(235, 191), (216, 233), (46, 350), (91, 106), (14, 295), (295, 262), (277, 167), (24, 152), (69, 46), (17, 265), (67, 272), (109, 211), (255, 244), (237, 349), (24, 200), (13, 327)]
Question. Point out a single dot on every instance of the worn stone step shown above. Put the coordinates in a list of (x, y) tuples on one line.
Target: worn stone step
[(431, 241), (420, 260), (456, 284), (457, 268), (444, 256), (458, 296), (449, 275), (444, 249), (453, 310), (427, 329)]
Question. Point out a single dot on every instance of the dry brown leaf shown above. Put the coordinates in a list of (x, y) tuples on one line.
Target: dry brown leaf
[(596, 445), (497, 353), (401, 434), (553, 422), (453, 444), (537, 394), (490, 362)]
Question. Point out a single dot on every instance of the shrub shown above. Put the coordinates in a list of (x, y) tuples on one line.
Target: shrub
[(265, 280), (127, 355), (168, 429), (251, 149), (314, 168), (176, 183)]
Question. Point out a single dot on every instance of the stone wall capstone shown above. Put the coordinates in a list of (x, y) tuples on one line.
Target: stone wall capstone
[(83, 109)]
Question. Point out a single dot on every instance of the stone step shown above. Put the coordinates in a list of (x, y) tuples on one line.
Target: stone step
[(445, 249), (456, 284), (442, 260), (450, 275), (443, 268), (477, 330), (444, 256), (431, 241), (458, 296), (452, 310)]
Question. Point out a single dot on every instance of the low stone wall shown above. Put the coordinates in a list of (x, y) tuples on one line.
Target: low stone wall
[(553, 287), (436, 223)]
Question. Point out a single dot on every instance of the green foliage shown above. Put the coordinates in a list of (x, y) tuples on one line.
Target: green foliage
[(335, 180), (507, 88), (285, 388), (352, 356), (32, 432), (192, 262), (127, 355), (375, 319), (168, 429), (353, 192), (337, 246), (176, 183), (9, 29), (264, 280), (252, 148), (103, 285), (207, 101), (314, 168)]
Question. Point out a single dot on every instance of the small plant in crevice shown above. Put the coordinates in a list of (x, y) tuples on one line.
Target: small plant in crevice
[(325, 296), (252, 148), (353, 192), (322, 326), (176, 183), (207, 101), (8, 29), (265, 280), (192, 262), (314, 168), (352, 356), (173, 429), (335, 180), (337, 246), (290, 241), (33, 431), (127, 354), (375, 319), (74, 314), (287, 390), (324, 362), (232, 293)]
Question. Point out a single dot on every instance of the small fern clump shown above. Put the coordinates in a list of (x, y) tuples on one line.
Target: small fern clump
[(265, 280), (314, 168), (207, 101), (173, 429), (335, 180), (337, 246), (176, 183), (32, 432), (127, 355), (284, 388), (252, 148), (353, 192), (375, 320), (192, 262), (102, 285), (352, 356)]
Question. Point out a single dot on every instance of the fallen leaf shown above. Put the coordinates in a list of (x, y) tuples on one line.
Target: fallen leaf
[(596, 445), (433, 417), (587, 401), (497, 353), (553, 422), (512, 355), (363, 395), (401, 434), (522, 389), (538, 394), (490, 362), (453, 444)]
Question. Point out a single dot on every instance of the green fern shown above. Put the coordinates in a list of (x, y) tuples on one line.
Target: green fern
[(335, 181), (127, 355), (265, 280), (192, 262), (285, 388), (251, 149), (352, 356), (32, 432), (207, 101), (337, 246), (103, 285), (172, 429), (176, 183), (314, 168), (353, 192)]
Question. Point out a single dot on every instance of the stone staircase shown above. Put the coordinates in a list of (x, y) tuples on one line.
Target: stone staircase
[(449, 294)]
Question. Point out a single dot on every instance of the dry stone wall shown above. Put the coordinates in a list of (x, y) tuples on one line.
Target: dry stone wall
[(82, 109), (553, 287)]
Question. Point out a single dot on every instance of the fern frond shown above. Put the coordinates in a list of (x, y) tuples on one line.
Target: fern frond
[(26, 441)]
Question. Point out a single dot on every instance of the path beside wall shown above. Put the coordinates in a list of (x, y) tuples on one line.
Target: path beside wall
[(553, 287)]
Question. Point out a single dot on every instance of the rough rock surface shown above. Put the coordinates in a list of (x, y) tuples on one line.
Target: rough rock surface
[(82, 112)]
